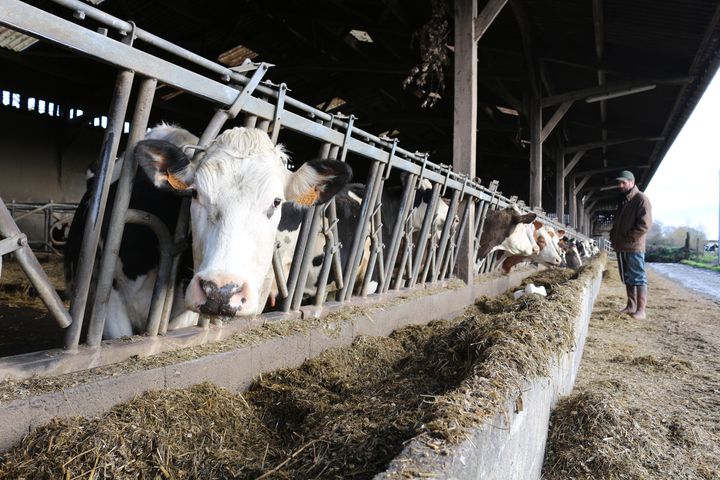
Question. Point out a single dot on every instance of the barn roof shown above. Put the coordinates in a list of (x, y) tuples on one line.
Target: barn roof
[(321, 50)]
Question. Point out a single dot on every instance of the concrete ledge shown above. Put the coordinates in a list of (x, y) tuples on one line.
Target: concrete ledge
[(512, 444), (235, 369)]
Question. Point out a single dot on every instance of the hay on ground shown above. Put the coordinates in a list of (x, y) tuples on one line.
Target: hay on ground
[(345, 414)]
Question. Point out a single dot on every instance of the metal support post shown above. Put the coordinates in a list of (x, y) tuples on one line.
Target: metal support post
[(123, 190), (96, 207)]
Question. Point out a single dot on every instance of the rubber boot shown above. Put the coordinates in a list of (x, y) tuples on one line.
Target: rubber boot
[(641, 303), (632, 300)]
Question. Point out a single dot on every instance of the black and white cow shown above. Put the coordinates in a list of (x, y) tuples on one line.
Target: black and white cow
[(238, 188), (348, 204)]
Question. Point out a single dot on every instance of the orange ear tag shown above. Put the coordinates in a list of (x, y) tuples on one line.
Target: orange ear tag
[(308, 198), (175, 182)]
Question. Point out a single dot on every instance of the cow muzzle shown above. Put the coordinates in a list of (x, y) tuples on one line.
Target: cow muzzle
[(221, 296)]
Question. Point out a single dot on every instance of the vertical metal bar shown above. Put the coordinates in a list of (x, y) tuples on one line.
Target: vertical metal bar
[(428, 222), (297, 259), (280, 280), (357, 247), (157, 301), (316, 215), (96, 207), (406, 260), (299, 254), (376, 248), (405, 205), (32, 268), (328, 252), (277, 118), (461, 231), (449, 222), (123, 190)]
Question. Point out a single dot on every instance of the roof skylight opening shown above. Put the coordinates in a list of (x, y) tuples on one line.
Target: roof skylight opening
[(236, 56), (332, 104), (508, 111), (361, 36)]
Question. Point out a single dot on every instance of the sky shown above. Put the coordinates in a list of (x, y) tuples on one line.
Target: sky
[(685, 190)]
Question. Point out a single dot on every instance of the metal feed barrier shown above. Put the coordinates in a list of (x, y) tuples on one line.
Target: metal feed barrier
[(55, 218), (405, 260)]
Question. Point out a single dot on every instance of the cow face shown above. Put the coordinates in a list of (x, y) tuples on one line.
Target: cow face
[(517, 237), (238, 187), (548, 254)]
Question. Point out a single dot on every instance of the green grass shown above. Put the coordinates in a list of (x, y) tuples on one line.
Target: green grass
[(706, 265)]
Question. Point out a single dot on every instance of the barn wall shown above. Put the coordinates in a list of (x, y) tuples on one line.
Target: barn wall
[(44, 158)]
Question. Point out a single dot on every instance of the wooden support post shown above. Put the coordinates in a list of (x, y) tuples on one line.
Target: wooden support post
[(560, 183), (572, 202), (465, 118), (535, 114)]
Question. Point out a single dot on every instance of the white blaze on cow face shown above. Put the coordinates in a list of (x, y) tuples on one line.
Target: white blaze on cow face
[(238, 189), (518, 242), (548, 254)]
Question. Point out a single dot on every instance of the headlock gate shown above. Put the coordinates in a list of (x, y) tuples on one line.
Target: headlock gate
[(407, 259)]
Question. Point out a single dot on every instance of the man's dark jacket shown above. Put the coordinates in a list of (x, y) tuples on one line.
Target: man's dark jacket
[(632, 222)]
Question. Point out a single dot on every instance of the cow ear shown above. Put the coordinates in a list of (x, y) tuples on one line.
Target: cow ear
[(537, 224), (317, 181), (527, 218), (165, 164)]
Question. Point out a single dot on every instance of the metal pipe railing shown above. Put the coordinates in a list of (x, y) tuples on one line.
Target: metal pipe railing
[(264, 106)]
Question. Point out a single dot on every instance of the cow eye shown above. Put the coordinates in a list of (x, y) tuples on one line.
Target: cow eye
[(277, 202)]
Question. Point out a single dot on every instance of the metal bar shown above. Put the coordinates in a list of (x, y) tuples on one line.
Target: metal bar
[(12, 243), (405, 203), (277, 118), (445, 235), (356, 249), (406, 260), (32, 268), (279, 272), (165, 245), (313, 230), (375, 233), (96, 206), (31, 20), (123, 190), (297, 260), (428, 222), (328, 253), (461, 230)]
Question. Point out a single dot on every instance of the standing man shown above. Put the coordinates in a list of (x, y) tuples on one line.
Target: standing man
[(632, 223)]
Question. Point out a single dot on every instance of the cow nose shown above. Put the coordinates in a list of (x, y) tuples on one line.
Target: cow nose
[(226, 299)]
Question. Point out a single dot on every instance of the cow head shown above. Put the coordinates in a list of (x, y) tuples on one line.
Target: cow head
[(511, 225), (238, 186), (548, 254)]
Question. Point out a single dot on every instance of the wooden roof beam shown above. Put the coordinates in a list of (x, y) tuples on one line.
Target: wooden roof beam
[(486, 17), (613, 88), (609, 143), (610, 169)]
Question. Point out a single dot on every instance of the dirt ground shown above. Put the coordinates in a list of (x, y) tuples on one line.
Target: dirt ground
[(646, 403)]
